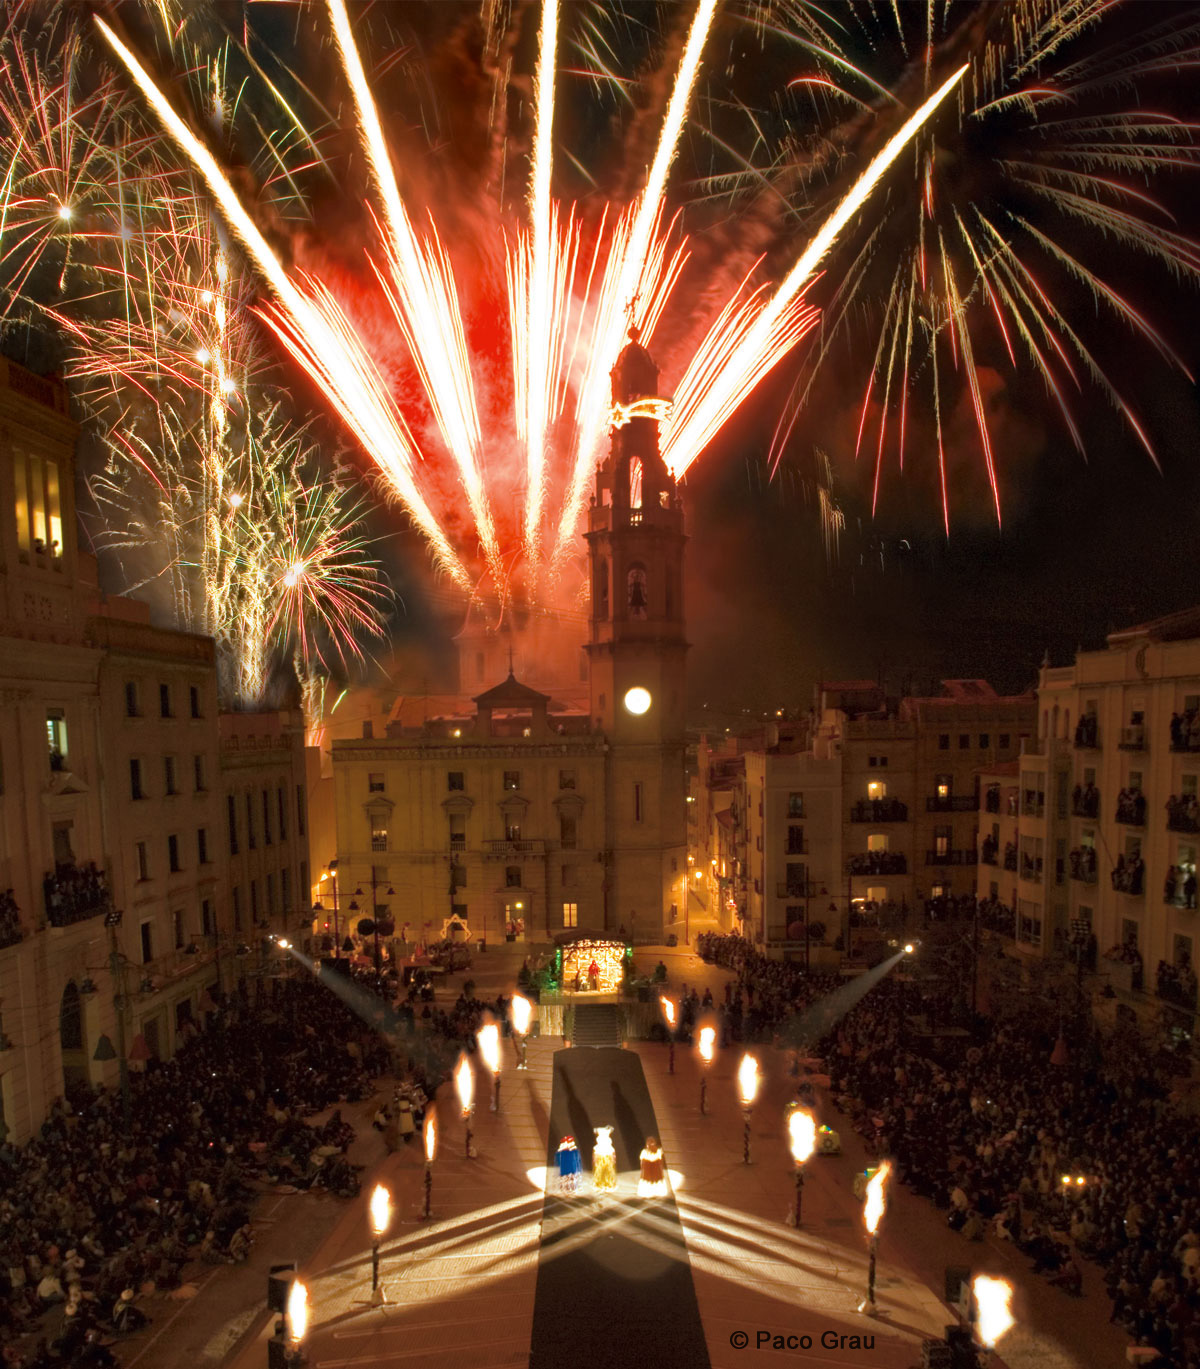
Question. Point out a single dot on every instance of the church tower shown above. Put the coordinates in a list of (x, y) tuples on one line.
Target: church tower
[(637, 653)]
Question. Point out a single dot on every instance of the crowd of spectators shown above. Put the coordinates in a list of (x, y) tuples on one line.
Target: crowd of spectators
[(1131, 807), (1176, 983), (1128, 875), (767, 998), (877, 863), (1179, 886), (73, 892), (988, 1128), (1185, 730), (10, 920), (103, 1204), (1183, 813)]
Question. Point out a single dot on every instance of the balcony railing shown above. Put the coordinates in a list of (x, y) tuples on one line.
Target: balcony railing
[(877, 863), (1133, 738), (950, 858), (73, 894), (989, 851), (1031, 869), (534, 846), (953, 803), (1085, 803), (1083, 864), (458, 841), (1131, 809), (879, 810), (1087, 733), (1129, 879), (1183, 815)]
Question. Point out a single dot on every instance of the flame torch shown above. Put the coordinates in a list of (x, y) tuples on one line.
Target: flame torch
[(802, 1130), (381, 1216), (668, 1008), (297, 1319), (464, 1083), (489, 1047), (748, 1081), (708, 1046), (431, 1150), (522, 1015), (872, 1212), (993, 1299)]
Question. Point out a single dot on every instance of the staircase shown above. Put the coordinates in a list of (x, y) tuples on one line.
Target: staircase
[(596, 1024)]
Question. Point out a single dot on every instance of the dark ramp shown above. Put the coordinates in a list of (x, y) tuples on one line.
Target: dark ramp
[(614, 1284), (596, 1024)]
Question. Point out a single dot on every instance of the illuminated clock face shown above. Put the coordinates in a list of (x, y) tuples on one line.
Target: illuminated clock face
[(637, 700)]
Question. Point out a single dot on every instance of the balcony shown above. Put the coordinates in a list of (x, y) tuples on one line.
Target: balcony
[(991, 800), (1031, 869), (989, 851), (534, 846), (951, 858), (1176, 984), (953, 803), (1185, 732), (1087, 733), (1133, 738), (1083, 864), (877, 863), (1085, 802), (796, 847), (1131, 808), (879, 810), (458, 841), (74, 894), (1183, 814), (1010, 857), (1129, 877)]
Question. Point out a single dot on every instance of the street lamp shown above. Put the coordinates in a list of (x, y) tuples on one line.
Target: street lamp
[(748, 1082), (488, 1038), (331, 874), (802, 1130), (872, 1212), (464, 1083), (381, 1216), (522, 1014), (993, 1299), (668, 1008), (707, 1044), (430, 1155)]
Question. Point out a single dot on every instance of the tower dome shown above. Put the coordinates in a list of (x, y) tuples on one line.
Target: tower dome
[(635, 376)]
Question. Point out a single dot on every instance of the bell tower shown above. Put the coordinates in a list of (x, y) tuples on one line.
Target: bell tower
[(637, 652)]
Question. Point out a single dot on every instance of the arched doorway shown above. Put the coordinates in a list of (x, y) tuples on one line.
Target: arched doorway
[(70, 1033)]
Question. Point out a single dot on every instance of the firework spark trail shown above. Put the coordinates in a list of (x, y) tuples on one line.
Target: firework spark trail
[(701, 408), (320, 338), (423, 299), (627, 281)]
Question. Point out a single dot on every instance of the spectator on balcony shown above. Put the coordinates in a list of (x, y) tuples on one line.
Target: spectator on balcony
[(1128, 874), (1083, 864), (1183, 813), (1010, 855), (1131, 807), (1189, 890), (1087, 730), (1085, 800), (73, 893), (1170, 884), (988, 849), (10, 919)]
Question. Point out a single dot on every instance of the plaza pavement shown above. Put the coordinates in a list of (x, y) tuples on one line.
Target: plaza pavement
[(461, 1288)]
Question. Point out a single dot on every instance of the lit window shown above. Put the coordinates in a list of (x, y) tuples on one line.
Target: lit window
[(570, 913)]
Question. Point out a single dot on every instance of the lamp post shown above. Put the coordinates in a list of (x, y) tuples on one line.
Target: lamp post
[(668, 1008), (522, 1013), (464, 1083), (488, 1038), (802, 1131), (748, 1082), (331, 874), (993, 1299), (381, 1215), (872, 1212), (707, 1044), (375, 920), (430, 1155)]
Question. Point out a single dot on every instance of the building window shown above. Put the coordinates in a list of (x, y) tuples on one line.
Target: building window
[(570, 913), (637, 801), (147, 932), (566, 779), (375, 782), (944, 741), (795, 841), (379, 835), (285, 889), (281, 803), (266, 807), (135, 780), (164, 700), (237, 908), (300, 809), (512, 779), (251, 837), (795, 805), (305, 888), (39, 515), (455, 780), (170, 777), (943, 786), (984, 741), (202, 845), (143, 861), (964, 741), (177, 928), (198, 774), (254, 900), (941, 840), (56, 738), (208, 923), (458, 832), (194, 700), (512, 877), (270, 895), (458, 876), (877, 841), (1005, 741), (231, 803), (877, 789), (567, 831), (133, 708), (173, 854)]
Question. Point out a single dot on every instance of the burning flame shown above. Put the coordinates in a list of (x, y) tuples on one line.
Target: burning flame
[(522, 1012), (708, 1042), (381, 1210), (430, 1137), (993, 1298), (748, 1079), (875, 1201), (489, 1046), (297, 1311), (668, 1008), (802, 1128), (464, 1082)]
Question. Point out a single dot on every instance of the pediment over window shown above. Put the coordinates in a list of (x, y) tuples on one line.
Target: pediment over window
[(513, 806), (570, 805), (378, 806), (458, 803)]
